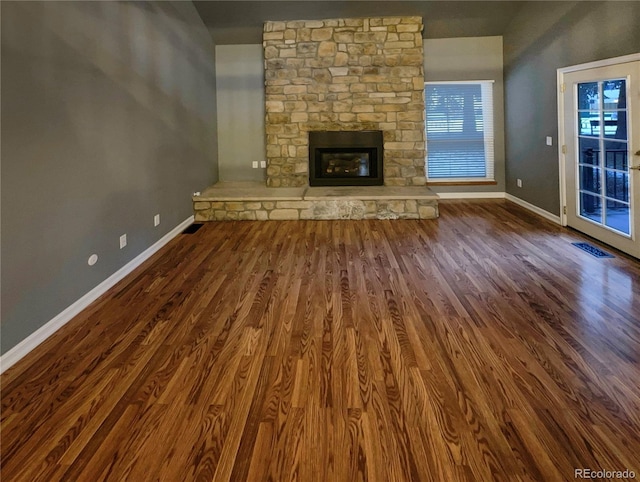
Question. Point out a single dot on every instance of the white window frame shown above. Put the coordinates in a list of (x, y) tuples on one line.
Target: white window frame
[(488, 113)]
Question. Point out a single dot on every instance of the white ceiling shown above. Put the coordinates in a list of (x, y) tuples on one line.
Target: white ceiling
[(238, 22)]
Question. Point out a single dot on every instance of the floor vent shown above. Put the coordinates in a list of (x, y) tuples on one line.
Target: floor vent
[(592, 250), (192, 228)]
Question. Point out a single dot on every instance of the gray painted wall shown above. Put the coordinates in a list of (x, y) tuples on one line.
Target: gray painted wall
[(476, 58), (240, 92), (543, 37), (108, 117)]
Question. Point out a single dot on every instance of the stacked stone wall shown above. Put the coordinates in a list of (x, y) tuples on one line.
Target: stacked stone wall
[(344, 74)]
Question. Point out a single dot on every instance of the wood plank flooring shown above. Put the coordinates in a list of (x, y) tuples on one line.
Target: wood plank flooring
[(481, 346)]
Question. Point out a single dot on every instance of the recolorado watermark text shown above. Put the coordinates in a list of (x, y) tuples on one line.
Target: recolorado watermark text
[(604, 474)]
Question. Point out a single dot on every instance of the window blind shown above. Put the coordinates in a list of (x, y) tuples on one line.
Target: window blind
[(460, 138)]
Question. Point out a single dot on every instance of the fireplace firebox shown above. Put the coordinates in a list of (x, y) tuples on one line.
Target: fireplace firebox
[(345, 158)]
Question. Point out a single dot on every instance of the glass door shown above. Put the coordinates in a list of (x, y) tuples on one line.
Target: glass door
[(602, 127)]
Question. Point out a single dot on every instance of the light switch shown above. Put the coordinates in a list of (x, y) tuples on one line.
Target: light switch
[(549, 140)]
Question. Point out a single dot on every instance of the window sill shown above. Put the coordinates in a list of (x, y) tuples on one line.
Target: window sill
[(462, 183)]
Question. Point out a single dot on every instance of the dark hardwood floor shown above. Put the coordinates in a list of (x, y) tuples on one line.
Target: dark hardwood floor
[(481, 346)]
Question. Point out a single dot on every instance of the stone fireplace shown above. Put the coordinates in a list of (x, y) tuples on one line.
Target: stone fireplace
[(349, 75), (344, 126)]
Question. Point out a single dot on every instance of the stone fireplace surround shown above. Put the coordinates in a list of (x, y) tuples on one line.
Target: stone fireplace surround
[(344, 75), (336, 75)]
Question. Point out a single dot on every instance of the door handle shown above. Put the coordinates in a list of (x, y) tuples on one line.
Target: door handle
[(637, 153)]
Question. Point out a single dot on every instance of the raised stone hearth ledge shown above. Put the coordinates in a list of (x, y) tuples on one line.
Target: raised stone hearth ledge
[(253, 201)]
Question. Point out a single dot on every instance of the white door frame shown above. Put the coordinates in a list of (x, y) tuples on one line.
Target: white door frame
[(561, 131)]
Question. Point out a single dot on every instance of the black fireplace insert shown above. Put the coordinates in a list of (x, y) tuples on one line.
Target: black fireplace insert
[(345, 158)]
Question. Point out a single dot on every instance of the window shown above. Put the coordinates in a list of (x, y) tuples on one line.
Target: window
[(459, 131)]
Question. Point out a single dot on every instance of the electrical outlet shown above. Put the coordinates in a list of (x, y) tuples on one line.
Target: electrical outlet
[(156, 220), (519, 182), (549, 140), (123, 241), (263, 164), (255, 164)]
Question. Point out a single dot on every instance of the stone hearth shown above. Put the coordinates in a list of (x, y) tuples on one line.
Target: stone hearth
[(229, 201), (344, 75)]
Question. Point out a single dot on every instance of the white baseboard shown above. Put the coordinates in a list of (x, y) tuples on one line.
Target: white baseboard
[(501, 195), (535, 209), (471, 195), (25, 346)]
